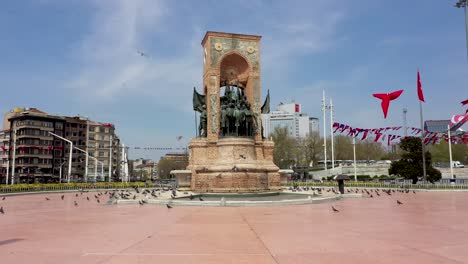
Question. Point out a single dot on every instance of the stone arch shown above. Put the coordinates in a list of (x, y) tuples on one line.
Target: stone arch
[(234, 67)]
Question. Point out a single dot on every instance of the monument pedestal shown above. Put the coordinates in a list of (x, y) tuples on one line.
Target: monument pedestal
[(232, 165)]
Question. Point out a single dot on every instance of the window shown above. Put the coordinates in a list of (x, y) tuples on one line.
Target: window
[(101, 153)]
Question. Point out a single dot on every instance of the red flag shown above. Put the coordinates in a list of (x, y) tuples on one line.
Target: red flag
[(420, 91), (365, 134), (465, 102), (3, 148), (377, 137), (50, 147), (386, 98)]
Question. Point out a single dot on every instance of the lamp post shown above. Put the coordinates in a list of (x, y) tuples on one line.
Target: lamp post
[(70, 156), (60, 171), (86, 162), (354, 155), (464, 4), (13, 157)]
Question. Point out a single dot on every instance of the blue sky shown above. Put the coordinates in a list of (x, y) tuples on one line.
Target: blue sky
[(80, 57)]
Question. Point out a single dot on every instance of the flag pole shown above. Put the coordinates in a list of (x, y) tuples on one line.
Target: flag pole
[(324, 109), (422, 140), (450, 152)]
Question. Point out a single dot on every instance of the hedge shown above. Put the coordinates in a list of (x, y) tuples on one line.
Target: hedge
[(353, 184), (67, 186)]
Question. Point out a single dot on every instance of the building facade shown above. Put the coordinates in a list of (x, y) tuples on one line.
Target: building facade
[(36, 155), (42, 157), (289, 116)]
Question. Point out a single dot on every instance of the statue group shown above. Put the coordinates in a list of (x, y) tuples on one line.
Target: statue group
[(236, 116)]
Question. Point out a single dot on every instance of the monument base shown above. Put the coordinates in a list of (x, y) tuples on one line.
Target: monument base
[(232, 165)]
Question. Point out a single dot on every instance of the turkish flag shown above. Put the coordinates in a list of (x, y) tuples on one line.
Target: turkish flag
[(50, 147), (465, 102), (386, 98), (420, 91)]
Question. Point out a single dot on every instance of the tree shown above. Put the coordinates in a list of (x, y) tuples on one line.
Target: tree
[(311, 149), (166, 165), (410, 166), (285, 151), (369, 150), (440, 152)]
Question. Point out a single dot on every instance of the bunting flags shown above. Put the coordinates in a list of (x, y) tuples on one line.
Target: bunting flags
[(388, 136)]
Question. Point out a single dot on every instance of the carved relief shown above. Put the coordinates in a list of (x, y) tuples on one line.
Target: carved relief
[(220, 46)]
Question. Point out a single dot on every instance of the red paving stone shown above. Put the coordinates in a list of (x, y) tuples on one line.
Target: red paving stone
[(430, 227)]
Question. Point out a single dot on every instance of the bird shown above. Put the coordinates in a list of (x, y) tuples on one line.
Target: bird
[(98, 201), (386, 98), (334, 209), (134, 197), (168, 206), (87, 198), (3, 199), (76, 204), (1, 210), (398, 202), (47, 199), (414, 192), (76, 195), (63, 196), (140, 202), (142, 54), (242, 156), (191, 197), (95, 196), (201, 199), (371, 196)]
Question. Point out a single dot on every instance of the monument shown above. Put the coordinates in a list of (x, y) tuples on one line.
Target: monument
[(229, 154)]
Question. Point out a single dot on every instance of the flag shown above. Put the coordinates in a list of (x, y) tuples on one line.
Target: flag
[(457, 121), (377, 137), (365, 134), (3, 148), (386, 98), (266, 105), (465, 102), (420, 91)]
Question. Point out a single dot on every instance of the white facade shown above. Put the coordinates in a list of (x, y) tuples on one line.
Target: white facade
[(314, 125), (289, 116)]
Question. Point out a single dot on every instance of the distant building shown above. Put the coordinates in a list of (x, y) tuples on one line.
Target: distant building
[(438, 126), (42, 157), (289, 116)]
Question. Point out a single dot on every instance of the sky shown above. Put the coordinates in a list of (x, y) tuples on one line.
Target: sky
[(80, 57)]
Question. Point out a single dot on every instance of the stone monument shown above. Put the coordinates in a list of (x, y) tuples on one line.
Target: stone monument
[(229, 154)]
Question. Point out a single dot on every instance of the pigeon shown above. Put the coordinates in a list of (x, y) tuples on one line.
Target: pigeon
[(134, 197), (201, 199), (63, 196), (140, 202), (3, 199), (1, 210), (76, 204), (98, 201), (335, 210), (371, 196), (87, 198), (95, 196), (168, 206), (47, 199), (76, 195), (414, 192), (398, 202), (191, 197)]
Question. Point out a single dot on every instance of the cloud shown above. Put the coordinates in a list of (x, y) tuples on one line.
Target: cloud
[(111, 66)]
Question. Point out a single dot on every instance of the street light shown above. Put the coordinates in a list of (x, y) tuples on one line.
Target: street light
[(60, 171), (86, 162), (70, 157), (464, 4)]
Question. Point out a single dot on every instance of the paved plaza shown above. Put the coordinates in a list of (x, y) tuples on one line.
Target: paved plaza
[(430, 227)]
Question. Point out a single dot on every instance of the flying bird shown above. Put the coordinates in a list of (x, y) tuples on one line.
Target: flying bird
[(143, 54), (386, 98), (334, 209), (398, 202)]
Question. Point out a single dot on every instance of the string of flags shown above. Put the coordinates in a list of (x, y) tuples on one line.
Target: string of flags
[(23, 148), (382, 134)]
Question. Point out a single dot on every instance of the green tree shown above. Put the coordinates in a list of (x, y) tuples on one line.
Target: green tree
[(285, 151), (311, 148), (440, 152), (166, 165), (410, 166)]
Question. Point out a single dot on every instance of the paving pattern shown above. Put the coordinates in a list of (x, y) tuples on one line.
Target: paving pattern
[(429, 227)]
